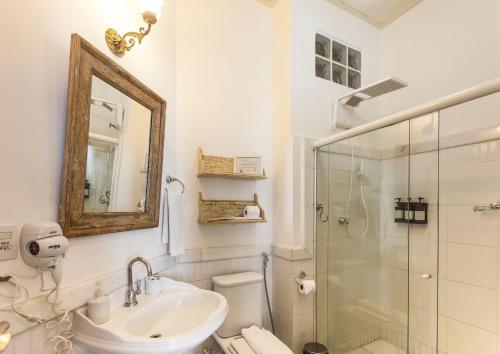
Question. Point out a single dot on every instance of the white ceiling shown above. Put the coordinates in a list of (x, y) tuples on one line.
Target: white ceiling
[(377, 12)]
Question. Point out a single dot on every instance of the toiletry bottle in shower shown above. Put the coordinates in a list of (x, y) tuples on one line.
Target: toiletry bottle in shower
[(399, 210), (409, 211), (420, 211)]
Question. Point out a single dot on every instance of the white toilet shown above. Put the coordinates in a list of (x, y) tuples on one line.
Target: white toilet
[(244, 295)]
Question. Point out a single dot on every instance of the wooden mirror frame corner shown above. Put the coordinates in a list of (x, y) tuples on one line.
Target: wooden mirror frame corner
[(87, 61)]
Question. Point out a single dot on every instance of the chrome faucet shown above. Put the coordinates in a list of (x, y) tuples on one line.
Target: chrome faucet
[(131, 292)]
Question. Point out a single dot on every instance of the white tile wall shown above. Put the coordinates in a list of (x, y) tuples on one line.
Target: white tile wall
[(476, 265), (294, 313), (463, 338), (469, 242), (469, 251), (473, 305)]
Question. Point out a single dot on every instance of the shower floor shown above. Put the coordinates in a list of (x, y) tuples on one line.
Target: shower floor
[(378, 347)]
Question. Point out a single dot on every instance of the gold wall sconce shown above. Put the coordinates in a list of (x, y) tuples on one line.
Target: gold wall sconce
[(5, 335), (119, 45)]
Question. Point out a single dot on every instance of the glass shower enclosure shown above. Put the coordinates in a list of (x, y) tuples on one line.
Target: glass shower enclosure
[(408, 235)]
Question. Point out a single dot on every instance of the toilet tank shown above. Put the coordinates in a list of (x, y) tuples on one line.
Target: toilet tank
[(243, 292)]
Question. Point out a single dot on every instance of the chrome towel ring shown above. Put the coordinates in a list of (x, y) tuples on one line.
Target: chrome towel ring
[(171, 179)]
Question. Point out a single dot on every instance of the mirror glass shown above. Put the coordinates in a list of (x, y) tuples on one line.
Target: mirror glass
[(118, 152)]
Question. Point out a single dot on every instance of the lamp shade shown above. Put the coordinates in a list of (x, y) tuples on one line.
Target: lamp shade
[(153, 6)]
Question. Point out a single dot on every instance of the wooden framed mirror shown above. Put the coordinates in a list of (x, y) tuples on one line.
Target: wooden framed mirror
[(114, 147)]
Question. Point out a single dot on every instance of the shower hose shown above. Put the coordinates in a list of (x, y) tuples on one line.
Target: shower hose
[(363, 201), (264, 270)]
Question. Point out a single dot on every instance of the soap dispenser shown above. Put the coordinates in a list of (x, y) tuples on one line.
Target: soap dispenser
[(409, 211), (420, 210), (98, 308), (399, 210)]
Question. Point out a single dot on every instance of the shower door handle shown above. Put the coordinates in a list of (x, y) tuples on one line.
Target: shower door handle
[(426, 276)]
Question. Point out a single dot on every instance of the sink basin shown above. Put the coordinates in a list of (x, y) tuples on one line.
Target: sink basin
[(175, 321)]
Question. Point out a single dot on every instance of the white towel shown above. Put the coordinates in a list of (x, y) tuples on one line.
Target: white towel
[(264, 342), (240, 346), (171, 231)]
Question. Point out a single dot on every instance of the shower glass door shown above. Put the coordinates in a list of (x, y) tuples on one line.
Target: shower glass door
[(377, 272), (423, 234), (469, 290)]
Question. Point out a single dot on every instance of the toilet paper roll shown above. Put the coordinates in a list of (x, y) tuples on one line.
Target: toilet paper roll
[(251, 212), (154, 285), (306, 286)]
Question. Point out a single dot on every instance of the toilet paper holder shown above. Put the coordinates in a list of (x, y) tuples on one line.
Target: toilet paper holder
[(305, 283), (302, 276)]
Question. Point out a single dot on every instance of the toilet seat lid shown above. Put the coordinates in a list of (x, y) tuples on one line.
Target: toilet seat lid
[(242, 345)]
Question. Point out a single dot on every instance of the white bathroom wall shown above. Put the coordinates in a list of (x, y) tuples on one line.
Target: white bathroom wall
[(312, 97), (33, 116), (282, 126), (205, 56), (224, 63), (302, 106), (293, 313), (33, 110), (440, 47), (302, 103), (224, 105)]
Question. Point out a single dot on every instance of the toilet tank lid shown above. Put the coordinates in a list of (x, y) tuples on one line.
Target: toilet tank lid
[(236, 279)]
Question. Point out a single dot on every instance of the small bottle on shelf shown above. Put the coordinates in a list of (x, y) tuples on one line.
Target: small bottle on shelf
[(399, 210), (420, 211), (409, 211)]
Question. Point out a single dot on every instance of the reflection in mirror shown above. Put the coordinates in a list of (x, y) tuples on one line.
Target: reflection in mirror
[(117, 154)]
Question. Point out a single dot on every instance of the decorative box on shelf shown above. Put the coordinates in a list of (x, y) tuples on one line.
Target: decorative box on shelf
[(225, 167), (248, 165), (227, 211)]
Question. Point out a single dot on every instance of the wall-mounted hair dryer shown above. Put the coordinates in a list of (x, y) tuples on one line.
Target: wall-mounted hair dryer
[(43, 245)]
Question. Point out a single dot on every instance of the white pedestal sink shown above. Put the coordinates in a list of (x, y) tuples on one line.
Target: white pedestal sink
[(175, 321)]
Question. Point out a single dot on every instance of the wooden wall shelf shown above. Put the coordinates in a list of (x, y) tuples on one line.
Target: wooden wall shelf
[(222, 167), (227, 211)]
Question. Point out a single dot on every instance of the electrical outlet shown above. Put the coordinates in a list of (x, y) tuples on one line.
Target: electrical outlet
[(9, 242)]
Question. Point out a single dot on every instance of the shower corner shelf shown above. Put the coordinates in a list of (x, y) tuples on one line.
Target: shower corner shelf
[(222, 167), (227, 211)]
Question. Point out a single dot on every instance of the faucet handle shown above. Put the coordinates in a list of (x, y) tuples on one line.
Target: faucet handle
[(131, 299), (138, 290)]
